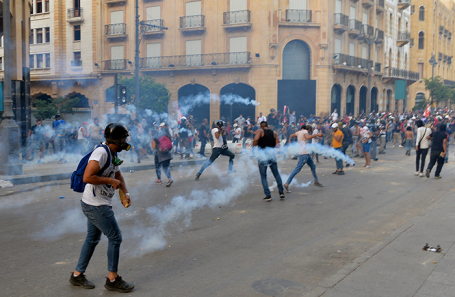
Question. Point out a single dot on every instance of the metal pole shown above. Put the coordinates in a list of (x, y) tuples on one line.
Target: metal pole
[(7, 101), (432, 72), (116, 94), (136, 61), (369, 79)]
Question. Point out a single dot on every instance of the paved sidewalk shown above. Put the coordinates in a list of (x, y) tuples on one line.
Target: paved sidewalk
[(398, 265)]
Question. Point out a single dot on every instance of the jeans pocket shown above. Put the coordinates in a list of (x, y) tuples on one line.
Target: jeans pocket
[(89, 214)]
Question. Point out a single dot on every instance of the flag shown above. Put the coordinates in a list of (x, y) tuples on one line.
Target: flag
[(285, 108), (427, 111)]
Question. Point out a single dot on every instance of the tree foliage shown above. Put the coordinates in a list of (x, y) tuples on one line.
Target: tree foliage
[(46, 109), (438, 91), (154, 96)]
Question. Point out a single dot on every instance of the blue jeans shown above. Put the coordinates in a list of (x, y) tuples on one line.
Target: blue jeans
[(408, 145), (203, 144), (446, 158), (303, 159), (339, 162), (263, 171), (165, 165), (374, 146), (215, 154), (100, 219)]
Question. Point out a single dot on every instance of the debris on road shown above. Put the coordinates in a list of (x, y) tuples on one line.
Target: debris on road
[(5, 184), (436, 249)]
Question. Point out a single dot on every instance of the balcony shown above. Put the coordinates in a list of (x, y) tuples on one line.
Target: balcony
[(192, 24), (411, 43), (377, 68), (380, 7), (403, 4), (341, 23), (237, 20), (74, 15), (76, 63), (350, 63), (367, 3), (380, 38), (397, 73), (202, 61), (368, 30), (152, 31), (114, 2), (119, 64), (114, 31), (355, 28), (299, 18), (403, 38)]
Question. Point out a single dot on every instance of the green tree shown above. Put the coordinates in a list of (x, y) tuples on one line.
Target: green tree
[(438, 91), (46, 109), (154, 96), (422, 105)]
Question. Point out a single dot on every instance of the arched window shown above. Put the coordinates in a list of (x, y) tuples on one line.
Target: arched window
[(296, 60), (421, 39), (421, 13)]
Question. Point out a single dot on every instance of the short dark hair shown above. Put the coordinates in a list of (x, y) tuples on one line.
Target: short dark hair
[(442, 127), (419, 123), (264, 124)]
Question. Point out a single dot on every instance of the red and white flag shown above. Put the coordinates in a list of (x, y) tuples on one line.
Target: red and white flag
[(285, 108), (427, 111)]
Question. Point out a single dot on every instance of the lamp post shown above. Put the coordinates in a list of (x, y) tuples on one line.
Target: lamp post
[(369, 39), (141, 28), (9, 130)]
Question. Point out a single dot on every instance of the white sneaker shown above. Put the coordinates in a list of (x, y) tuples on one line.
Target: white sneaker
[(400, 145), (366, 167), (421, 174), (417, 173), (393, 145)]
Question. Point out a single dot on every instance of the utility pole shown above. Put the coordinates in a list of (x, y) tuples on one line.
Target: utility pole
[(141, 28), (9, 130), (116, 95)]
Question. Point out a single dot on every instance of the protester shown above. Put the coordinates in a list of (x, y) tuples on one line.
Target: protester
[(304, 157), (337, 143), (438, 150), (409, 136), (203, 136), (422, 146), (95, 132), (162, 145), (82, 139), (266, 140), (365, 142), (97, 207)]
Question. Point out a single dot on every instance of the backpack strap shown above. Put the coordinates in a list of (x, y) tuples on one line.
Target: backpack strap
[(108, 163)]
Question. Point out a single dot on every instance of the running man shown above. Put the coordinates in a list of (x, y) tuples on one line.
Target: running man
[(219, 148), (304, 156)]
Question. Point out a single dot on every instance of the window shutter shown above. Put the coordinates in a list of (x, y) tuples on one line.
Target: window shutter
[(153, 55), (117, 57), (193, 13), (297, 4), (238, 47), (193, 52)]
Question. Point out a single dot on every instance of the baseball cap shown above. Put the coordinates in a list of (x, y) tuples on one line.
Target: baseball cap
[(334, 125), (162, 124)]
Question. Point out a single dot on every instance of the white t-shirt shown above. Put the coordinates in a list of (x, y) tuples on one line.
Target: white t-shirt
[(95, 131), (97, 195), (239, 131), (315, 140), (302, 141), (364, 133), (334, 116), (262, 119), (217, 142)]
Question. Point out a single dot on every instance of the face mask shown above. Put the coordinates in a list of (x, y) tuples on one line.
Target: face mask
[(361, 125), (122, 146)]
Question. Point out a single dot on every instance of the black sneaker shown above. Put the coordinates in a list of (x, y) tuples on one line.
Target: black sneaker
[(197, 176), (318, 184), (281, 196), (341, 172), (118, 285), (286, 188), (267, 198), (169, 183), (427, 173), (81, 281)]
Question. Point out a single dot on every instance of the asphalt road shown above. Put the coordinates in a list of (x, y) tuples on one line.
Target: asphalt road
[(219, 238)]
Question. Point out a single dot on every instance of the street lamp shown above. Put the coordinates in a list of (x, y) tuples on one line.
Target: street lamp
[(369, 39), (433, 63), (141, 28)]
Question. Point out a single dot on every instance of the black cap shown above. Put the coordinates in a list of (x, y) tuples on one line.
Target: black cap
[(116, 131)]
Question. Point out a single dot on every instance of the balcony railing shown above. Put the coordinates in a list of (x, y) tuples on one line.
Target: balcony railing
[(119, 64), (377, 68), (115, 29), (350, 61), (194, 21), (341, 19), (202, 60), (150, 29), (380, 5), (403, 38), (367, 3), (236, 17), (401, 73), (367, 30), (355, 25), (380, 38), (74, 13), (299, 16), (76, 63), (403, 4)]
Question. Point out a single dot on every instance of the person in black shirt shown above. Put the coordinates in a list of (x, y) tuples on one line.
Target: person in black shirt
[(272, 119), (266, 140), (397, 134), (438, 150), (203, 136)]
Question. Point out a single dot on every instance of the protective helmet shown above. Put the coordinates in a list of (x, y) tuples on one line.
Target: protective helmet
[(220, 123), (116, 133)]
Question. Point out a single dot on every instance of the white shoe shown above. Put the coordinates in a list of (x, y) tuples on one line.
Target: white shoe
[(400, 145), (421, 174), (417, 173), (366, 167), (393, 145)]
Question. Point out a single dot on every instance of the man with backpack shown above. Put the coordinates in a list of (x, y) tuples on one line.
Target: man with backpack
[(102, 176), (162, 145)]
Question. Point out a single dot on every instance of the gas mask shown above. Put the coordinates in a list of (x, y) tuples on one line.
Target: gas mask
[(122, 145)]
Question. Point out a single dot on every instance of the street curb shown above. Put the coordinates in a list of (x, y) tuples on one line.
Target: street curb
[(61, 176), (330, 282)]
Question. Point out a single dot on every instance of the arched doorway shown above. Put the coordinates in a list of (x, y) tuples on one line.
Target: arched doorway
[(419, 101), (296, 60), (80, 100), (41, 96), (237, 99), (335, 98), (194, 100), (374, 99), (363, 100), (350, 100), (389, 99)]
